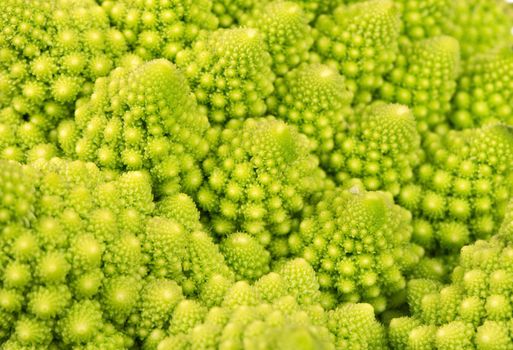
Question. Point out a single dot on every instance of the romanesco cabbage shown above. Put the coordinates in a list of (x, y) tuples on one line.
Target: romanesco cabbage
[(261, 175)]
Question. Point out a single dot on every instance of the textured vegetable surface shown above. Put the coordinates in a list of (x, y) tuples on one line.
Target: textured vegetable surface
[(256, 174)]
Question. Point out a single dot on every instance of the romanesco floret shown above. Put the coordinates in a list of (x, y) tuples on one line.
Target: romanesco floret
[(360, 40), (273, 314), (230, 73), (314, 97), (189, 258), (246, 256), (50, 54), (473, 312), (424, 78), (462, 187), (181, 208), (359, 244), (279, 325), (181, 265), (301, 280), (258, 176), (286, 32), (80, 242), (141, 118), (82, 251), (347, 323), (160, 28), (380, 146), (484, 92)]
